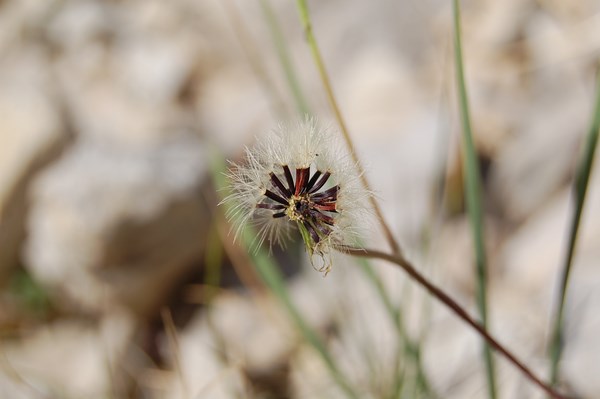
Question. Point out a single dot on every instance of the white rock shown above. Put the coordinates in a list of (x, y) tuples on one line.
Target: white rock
[(83, 201), (71, 358), (580, 365), (31, 136)]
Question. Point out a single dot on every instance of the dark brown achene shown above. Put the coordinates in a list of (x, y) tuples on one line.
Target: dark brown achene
[(302, 201)]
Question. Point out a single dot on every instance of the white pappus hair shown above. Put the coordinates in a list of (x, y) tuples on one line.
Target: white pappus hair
[(299, 178)]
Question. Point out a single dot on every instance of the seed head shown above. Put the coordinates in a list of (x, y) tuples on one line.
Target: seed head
[(299, 179)]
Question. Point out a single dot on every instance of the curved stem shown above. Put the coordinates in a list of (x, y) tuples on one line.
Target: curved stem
[(456, 308), (316, 53), (580, 189)]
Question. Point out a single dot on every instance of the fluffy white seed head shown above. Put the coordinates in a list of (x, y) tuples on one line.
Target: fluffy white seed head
[(299, 178)]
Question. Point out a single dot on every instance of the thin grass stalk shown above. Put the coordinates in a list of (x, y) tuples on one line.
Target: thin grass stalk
[(440, 295), (213, 260), (473, 196), (251, 51), (409, 348), (175, 348), (316, 53), (580, 189), (284, 57), (399, 380), (271, 276)]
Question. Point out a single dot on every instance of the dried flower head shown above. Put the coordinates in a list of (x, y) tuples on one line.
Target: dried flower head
[(300, 179)]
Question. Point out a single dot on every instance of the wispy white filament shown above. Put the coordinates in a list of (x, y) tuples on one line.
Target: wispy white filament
[(299, 146)]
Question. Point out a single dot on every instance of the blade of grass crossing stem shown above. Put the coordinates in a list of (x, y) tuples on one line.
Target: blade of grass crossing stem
[(410, 349), (379, 381), (271, 276), (284, 57), (473, 196), (580, 187)]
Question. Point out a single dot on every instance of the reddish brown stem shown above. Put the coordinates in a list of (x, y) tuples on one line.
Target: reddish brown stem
[(456, 308)]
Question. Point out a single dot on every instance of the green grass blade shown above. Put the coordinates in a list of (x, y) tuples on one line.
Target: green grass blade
[(580, 187), (271, 276), (473, 197), (252, 52), (284, 58), (410, 349)]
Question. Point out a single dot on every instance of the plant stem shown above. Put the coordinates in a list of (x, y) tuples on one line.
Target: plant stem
[(473, 197), (580, 189), (251, 52), (455, 307), (409, 347), (312, 42), (175, 348), (284, 57)]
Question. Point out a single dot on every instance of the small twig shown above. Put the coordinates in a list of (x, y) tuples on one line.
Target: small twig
[(316, 53), (167, 319), (10, 372), (456, 308)]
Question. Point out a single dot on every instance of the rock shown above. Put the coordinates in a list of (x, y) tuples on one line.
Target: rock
[(31, 136), (206, 368), (582, 350), (89, 359), (111, 222), (534, 254), (533, 165), (117, 220)]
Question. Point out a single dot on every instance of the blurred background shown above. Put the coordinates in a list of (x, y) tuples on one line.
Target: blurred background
[(118, 276)]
